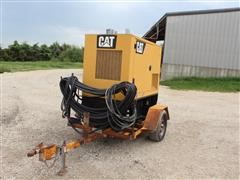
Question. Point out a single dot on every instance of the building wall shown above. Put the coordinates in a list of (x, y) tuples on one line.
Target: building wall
[(176, 70), (203, 40)]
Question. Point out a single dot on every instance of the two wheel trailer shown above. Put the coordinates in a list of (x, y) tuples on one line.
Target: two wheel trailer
[(118, 96)]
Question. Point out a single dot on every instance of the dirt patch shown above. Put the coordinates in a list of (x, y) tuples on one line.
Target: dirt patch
[(202, 139), (11, 111)]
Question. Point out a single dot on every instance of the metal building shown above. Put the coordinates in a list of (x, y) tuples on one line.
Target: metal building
[(199, 43)]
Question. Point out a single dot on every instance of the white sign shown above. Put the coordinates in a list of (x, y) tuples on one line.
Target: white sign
[(106, 41), (140, 47)]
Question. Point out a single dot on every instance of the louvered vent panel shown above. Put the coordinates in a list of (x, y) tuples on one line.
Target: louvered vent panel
[(108, 64)]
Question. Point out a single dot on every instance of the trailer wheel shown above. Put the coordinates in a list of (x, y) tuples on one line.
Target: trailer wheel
[(158, 134)]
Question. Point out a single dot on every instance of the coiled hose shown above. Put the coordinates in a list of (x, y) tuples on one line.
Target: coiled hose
[(118, 115)]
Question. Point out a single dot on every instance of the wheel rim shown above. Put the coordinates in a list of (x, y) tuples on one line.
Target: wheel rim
[(162, 129)]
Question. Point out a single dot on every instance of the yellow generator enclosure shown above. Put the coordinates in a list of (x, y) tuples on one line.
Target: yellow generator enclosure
[(111, 59)]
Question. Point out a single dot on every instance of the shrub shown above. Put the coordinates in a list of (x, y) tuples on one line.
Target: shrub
[(73, 54), (27, 52)]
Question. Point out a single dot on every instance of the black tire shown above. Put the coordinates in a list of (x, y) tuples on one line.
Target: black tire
[(158, 134)]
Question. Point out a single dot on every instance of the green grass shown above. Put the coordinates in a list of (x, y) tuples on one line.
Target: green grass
[(226, 84), (37, 65)]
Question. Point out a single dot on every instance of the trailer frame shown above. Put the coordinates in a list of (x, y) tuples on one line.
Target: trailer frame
[(53, 151)]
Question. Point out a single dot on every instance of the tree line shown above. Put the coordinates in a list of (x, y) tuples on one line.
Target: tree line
[(26, 52)]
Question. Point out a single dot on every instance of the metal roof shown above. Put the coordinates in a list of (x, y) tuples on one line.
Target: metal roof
[(157, 31)]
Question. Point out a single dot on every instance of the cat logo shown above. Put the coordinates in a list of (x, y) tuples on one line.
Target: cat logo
[(106, 41), (140, 46)]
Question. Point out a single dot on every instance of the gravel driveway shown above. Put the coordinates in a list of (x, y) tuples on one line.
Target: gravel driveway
[(202, 139)]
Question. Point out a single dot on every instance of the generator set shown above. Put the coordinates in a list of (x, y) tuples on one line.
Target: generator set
[(117, 96)]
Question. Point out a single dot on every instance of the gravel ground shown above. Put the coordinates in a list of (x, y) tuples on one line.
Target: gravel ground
[(202, 139)]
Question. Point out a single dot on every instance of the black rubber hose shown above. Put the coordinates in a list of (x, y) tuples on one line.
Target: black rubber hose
[(118, 115)]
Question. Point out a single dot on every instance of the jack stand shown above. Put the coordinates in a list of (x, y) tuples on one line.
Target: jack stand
[(63, 152)]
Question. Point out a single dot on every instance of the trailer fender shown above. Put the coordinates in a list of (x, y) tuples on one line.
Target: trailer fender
[(153, 115)]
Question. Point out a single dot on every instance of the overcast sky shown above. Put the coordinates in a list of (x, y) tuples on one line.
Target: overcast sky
[(49, 21)]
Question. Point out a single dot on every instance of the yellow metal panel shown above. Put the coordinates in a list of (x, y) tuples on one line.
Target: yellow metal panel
[(141, 68)]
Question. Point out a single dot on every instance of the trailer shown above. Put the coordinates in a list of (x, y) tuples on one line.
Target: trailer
[(117, 98)]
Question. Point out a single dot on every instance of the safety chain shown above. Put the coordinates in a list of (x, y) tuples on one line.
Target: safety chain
[(48, 165)]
